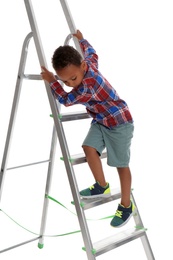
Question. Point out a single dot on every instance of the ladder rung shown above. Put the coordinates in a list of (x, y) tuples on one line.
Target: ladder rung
[(74, 116), (90, 203), (25, 165), (21, 244), (117, 240), (35, 76), (32, 77), (80, 158)]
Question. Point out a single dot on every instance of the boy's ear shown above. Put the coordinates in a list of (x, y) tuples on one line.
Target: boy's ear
[(83, 65)]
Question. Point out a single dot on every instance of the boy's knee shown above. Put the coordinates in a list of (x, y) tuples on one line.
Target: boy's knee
[(88, 149)]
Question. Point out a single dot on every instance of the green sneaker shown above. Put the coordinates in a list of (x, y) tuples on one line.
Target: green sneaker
[(96, 191), (123, 215)]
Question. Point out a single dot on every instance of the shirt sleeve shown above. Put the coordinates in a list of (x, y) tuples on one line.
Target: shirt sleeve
[(78, 95), (89, 52)]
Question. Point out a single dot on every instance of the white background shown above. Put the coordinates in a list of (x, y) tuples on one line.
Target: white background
[(134, 42)]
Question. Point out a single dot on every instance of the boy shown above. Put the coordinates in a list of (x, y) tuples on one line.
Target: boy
[(112, 124)]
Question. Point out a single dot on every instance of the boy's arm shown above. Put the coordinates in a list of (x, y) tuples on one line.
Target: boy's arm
[(87, 49), (56, 88)]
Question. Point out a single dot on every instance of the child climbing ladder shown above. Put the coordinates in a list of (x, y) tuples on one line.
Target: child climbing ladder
[(112, 124)]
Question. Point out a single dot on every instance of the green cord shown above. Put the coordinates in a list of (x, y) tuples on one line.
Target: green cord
[(69, 233)]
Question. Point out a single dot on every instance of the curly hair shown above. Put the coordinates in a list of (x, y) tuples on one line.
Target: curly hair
[(66, 55)]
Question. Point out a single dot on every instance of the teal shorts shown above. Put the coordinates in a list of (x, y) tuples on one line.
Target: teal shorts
[(117, 142)]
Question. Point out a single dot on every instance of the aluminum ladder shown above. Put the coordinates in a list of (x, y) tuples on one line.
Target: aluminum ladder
[(92, 249)]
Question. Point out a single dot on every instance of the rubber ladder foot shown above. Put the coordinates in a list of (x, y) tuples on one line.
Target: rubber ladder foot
[(40, 245)]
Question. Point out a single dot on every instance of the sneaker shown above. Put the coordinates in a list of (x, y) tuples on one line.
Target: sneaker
[(96, 191), (123, 215)]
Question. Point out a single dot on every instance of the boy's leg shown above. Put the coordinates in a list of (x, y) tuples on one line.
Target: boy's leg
[(95, 164), (126, 208), (93, 146), (125, 183), (100, 188)]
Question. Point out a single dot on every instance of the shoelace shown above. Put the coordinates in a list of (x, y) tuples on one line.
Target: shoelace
[(119, 213), (91, 187)]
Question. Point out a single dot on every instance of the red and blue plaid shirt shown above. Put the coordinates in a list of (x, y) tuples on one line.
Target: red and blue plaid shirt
[(100, 99)]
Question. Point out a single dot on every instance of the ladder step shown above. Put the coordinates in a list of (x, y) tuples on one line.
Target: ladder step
[(35, 76), (117, 240), (74, 116), (32, 77), (90, 203), (80, 158)]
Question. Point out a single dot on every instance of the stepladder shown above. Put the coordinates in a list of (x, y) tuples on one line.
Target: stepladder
[(106, 244)]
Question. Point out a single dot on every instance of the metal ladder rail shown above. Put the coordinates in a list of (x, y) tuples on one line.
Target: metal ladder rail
[(70, 23), (12, 125), (49, 176), (61, 135), (14, 110), (144, 238)]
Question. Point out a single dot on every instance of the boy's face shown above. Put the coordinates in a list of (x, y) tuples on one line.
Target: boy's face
[(72, 75)]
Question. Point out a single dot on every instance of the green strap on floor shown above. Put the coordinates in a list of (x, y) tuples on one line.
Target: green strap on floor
[(18, 223), (65, 234)]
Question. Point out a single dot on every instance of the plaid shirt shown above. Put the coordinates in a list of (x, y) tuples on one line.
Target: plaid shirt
[(100, 99)]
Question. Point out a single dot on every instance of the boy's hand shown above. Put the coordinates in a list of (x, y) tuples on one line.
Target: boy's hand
[(47, 75), (78, 35)]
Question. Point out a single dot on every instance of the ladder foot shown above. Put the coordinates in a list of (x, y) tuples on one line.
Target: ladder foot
[(40, 245)]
